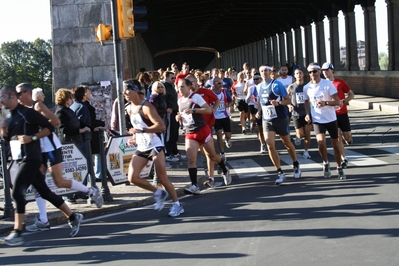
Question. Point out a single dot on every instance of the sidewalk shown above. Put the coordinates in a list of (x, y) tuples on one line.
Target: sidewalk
[(128, 196)]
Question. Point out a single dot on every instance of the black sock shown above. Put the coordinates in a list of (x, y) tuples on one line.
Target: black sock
[(296, 163), (19, 232), (222, 165), (193, 175), (72, 217), (279, 170)]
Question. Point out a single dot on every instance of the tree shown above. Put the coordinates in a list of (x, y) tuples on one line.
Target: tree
[(30, 62), (383, 60)]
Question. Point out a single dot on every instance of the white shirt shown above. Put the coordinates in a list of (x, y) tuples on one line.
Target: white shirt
[(287, 81), (320, 91)]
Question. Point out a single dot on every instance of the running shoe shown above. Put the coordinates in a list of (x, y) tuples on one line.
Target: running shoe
[(13, 239), (75, 224), (209, 183), (263, 149), (96, 196), (280, 178), (168, 166), (244, 132), (297, 141), (171, 158), (306, 154), (160, 200), (297, 171), (176, 210), (193, 189), (227, 177), (344, 163), (38, 226), (180, 156), (326, 170), (219, 170), (229, 144), (341, 174)]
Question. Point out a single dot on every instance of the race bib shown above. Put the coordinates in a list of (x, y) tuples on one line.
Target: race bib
[(268, 112), (221, 106), (143, 140), (300, 98), (187, 119), (15, 146)]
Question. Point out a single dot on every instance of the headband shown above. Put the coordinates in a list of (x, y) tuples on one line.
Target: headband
[(264, 67), (310, 68)]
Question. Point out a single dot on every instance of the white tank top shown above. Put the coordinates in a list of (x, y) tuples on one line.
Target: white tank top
[(47, 146), (145, 141)]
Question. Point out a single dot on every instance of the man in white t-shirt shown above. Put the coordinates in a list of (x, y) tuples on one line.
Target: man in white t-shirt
[(321, 97), (284, 77)]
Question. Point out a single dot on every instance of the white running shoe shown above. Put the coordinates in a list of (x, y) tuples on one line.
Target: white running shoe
[(341, 174), (229, 144), (193, 189), (96, 196), (176, 210), (280, 178), (227, 177), (297, 172), (297, 141), (38, 226), (327, 171), (75, 224), (171, 158), (209, 183), (306, 154), (263, 149), (160, 200)]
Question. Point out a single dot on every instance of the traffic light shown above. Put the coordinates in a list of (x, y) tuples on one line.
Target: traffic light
[(103, 33), (127, 16)]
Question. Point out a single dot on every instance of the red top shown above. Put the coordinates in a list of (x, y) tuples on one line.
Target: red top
[(210, 98), (342, 88), (180, 76)]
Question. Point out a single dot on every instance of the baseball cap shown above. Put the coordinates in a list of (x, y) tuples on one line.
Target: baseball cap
[(327, 65)]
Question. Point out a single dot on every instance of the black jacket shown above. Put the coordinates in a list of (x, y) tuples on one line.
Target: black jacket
[(70, 125), (26, 121), (94, 143)]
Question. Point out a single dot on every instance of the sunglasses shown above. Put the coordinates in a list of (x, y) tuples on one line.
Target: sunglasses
[(20, 93), (173, 78), (257, 79), (219, 83), (313, 71)]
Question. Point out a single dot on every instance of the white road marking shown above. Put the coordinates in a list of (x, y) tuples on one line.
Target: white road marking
[(246, 168), (360, 159)]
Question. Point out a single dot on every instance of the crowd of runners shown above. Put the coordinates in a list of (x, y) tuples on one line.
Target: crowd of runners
[(158, 105)]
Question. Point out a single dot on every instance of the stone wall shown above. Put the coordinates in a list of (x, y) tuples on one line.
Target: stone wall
[(77, 58)]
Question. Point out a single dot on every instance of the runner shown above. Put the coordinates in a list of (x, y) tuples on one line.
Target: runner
[(147, 135), (191, 108)]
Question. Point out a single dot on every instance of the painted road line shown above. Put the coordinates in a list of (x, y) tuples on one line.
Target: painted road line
[(246, 168), (390, 149), (304, 164), (360, 159)]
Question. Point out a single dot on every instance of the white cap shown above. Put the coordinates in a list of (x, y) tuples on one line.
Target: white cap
[(327, 65)]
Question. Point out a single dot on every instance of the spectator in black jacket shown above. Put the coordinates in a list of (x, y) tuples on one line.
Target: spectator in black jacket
[(96, 125)]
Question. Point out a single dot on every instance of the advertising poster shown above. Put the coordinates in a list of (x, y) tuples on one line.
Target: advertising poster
[(118, 155), (74, 166)]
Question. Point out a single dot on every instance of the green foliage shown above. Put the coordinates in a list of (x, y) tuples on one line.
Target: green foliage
[(383, 60), (30, 62)]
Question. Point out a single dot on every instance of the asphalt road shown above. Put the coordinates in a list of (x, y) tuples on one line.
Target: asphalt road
[(307, 221)]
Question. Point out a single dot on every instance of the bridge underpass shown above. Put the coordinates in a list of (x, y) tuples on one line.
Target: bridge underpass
[(250, 31)]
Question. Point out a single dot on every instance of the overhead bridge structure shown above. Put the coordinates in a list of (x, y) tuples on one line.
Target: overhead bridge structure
[(284, 32)]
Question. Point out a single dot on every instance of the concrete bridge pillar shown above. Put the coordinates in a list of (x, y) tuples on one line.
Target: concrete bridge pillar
[(352, 61), (370, 29), (393, 36)]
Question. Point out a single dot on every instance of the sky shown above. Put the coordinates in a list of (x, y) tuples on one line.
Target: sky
[(39, 24)]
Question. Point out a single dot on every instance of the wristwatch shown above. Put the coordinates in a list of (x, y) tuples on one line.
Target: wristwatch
[(326, 103), (143, 130), (34, 137), (194, 110)]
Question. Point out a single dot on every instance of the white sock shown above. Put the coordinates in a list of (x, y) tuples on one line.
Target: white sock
[(176, 202), (79, 186), (41, 205)]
